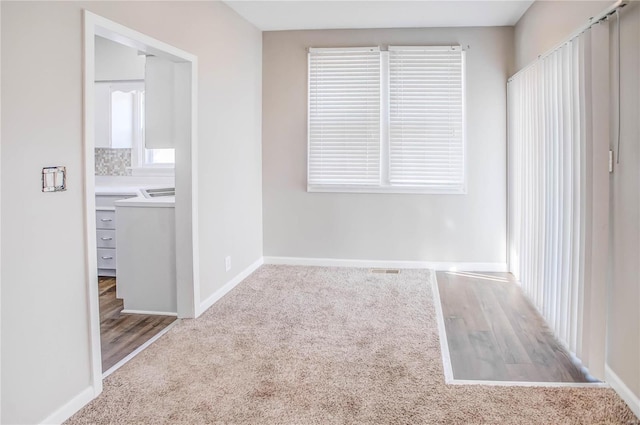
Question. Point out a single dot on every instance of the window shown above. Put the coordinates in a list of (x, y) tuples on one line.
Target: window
[(122, 117), (386, 121), (115, 113), (344, 117), (119, 123), (160, 156)]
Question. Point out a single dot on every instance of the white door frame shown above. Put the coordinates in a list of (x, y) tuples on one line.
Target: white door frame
[(186, 208)]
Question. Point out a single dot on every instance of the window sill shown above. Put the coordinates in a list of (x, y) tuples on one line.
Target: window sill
[(152, 171), (387, 189)]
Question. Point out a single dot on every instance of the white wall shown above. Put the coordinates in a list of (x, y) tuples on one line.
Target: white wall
[(45, 335), (547, 23), (543, 26), (444, 228), (623, 324), (115, 61)]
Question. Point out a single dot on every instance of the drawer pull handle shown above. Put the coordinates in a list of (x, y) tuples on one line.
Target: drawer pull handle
[(107, 258), (107, 239), (106, 219)]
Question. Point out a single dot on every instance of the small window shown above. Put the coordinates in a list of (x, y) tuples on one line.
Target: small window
[(115, 114), (386, 121), (160, 156), (122, 118)]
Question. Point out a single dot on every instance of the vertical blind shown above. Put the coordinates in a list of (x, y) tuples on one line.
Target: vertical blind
[(547, 145), (426, 122), (344, 116)]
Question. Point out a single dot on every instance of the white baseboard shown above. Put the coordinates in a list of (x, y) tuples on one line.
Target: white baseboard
[(632, 400), (71, 407), (228, 286), (447, 367), (150, 313), (433, 265)]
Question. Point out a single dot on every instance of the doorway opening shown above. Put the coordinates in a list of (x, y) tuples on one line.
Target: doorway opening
[(140, 143)]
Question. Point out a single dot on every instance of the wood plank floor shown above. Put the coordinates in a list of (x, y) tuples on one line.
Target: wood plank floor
[(495, 334), (121, 334)]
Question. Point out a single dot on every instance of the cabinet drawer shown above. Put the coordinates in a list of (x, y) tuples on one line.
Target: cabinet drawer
[(106, 238), (106, 258), (105, 219)]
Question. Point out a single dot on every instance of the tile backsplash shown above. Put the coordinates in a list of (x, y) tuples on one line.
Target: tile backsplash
[(113, 162)]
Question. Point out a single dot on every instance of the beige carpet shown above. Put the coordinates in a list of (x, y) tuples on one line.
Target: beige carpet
[(304, 345)]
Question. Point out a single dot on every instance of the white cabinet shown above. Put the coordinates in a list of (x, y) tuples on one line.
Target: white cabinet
[(167, 103), (105, 240), (106, 231), (159, 103), (147, 257)]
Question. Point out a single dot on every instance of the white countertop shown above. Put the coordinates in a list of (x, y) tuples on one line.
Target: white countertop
[(128, 181), (137, 199), (141, 201), (118, 190)]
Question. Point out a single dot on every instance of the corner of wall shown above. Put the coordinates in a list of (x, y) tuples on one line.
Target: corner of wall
[(227, 287), (632, 400)]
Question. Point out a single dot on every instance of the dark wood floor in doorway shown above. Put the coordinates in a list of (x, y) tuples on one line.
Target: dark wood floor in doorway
[(495, 334), (121, 334)]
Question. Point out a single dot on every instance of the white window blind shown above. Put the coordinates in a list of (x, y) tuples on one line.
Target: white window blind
[(386, 121), (426, 117), (344, 117)]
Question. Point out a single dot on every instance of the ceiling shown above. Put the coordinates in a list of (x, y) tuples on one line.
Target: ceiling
[(269, 15)]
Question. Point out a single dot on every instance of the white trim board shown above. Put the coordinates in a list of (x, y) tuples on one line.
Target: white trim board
[(71, 407), (442, 334), (433, 265), (623, 391), (448, 369), (213, 298), (187, 245), (139, 349), (150, 313), (530, 384)]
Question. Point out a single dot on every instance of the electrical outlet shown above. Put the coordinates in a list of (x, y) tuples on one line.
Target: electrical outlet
[(610, 161), (227, 263)]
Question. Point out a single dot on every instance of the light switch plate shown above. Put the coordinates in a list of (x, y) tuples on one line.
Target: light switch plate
[(54, 179)]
